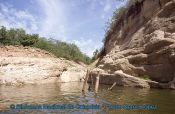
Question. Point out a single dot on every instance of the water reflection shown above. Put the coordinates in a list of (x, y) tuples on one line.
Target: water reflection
[(70, 93)]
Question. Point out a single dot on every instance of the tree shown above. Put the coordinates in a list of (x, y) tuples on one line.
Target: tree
[(29, 40), (95, 55), (12, 37), (3, 35)]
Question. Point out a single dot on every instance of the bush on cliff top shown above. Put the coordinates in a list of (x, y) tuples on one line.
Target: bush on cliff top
[(117, 18)]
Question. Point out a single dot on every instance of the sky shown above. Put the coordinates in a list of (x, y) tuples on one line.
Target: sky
[(82, 22)]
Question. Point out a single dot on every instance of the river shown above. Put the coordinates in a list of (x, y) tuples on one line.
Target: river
[(70, 94)]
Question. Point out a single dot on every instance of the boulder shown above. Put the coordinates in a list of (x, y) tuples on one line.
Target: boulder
[(121, 79)]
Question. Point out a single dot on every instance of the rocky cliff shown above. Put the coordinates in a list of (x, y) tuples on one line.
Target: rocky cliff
[(21, 65), (142, 42)]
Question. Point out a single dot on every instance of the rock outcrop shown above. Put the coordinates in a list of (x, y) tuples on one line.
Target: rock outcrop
[(120, 78), (123, 79), (21, 65), (142, 42)]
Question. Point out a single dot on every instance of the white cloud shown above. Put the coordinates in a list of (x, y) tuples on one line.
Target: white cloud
[(12, 18), (53, 23)]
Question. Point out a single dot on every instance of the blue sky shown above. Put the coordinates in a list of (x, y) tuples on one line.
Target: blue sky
[(75, 21)]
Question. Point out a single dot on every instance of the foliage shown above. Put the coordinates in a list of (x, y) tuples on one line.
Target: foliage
[(28, 40), (3, 35), (95, 55), (146, 77), (58, 48), (117, 15), (62, 49)]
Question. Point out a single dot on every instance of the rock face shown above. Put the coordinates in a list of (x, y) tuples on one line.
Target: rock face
[(21, 65), (142, 43)]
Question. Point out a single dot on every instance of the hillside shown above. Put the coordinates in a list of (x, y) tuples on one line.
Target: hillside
[(23, 65), (19, 37), (141, 43)]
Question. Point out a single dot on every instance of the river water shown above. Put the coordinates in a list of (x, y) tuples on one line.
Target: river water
[(70, 95)]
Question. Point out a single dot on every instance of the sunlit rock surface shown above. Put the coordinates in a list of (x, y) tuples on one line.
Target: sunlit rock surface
[(142, 43), (21, 65)]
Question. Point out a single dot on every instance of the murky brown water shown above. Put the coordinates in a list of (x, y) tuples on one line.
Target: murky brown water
[(70, 93)]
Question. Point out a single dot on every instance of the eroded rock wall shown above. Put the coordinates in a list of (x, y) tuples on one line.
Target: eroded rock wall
[(143, 42)]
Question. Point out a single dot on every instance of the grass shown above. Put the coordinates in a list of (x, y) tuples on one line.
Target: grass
[(146, 77)]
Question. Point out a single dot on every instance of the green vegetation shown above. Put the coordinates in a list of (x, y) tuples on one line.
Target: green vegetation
[(95, 55), (110, 25), (146, 77), (98, 53), (117, 15), (58, 48)]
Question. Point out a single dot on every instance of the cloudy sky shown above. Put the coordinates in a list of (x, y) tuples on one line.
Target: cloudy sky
[(76, 21)]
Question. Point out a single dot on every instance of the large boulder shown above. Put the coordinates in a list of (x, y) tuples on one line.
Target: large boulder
[(120, 78)]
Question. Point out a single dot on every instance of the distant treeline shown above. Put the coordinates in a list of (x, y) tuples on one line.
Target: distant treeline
[(60, 49)]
